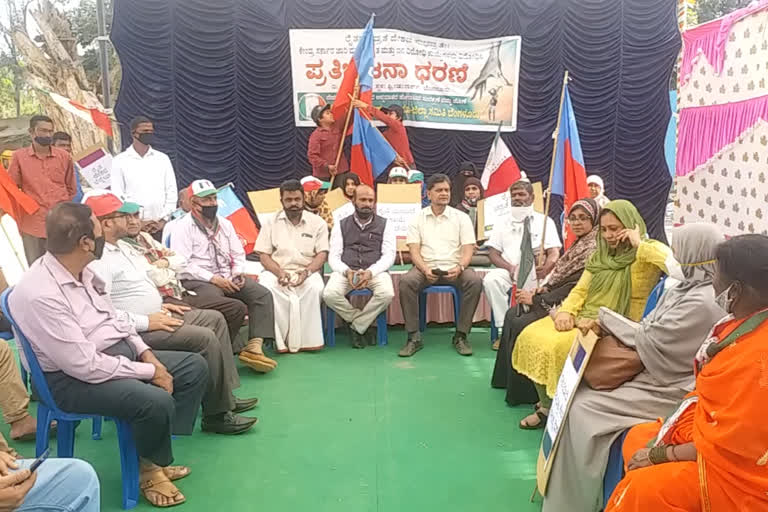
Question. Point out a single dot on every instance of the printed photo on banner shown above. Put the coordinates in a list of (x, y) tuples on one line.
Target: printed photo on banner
[(440, 83)]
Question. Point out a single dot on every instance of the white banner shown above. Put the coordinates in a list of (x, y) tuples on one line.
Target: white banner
[(440, 83)]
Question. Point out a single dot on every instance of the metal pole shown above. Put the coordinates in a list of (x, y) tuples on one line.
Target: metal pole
[(103, 39)]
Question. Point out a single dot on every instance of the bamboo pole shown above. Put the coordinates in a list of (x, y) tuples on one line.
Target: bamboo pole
[(22, 261), (542, 255), (346, 125)]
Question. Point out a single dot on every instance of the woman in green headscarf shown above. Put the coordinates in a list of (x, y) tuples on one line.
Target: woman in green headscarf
[(620, 275)]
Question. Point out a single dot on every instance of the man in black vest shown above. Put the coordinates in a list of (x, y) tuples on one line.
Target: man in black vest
[(362, 250)]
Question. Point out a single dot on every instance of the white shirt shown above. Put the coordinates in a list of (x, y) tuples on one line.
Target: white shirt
[(128, 284), (148, 181), (507, 237), (441, 237), (388, 249)]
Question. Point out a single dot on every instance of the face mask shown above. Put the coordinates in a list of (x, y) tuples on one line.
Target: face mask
[(364, 213), (520, 213), (98, 247), (44, 141), (209, 212), (471, 202), (146, 138), (724, 301)]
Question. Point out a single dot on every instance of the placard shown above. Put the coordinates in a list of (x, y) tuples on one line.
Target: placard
[(266, 203), (449, 84), (399, 204), (495, 209), (570, 378), (95, 165)]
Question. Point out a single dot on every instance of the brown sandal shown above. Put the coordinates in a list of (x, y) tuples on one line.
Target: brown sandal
[(176, 472), (257, 362), (160, 485), (541, 424)]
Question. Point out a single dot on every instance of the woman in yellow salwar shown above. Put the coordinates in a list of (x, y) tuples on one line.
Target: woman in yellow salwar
[(620, 275)]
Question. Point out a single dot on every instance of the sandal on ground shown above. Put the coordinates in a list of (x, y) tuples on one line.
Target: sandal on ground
[(257, 362), (176, 472), (496, 344), (157, 486), (541, 424)]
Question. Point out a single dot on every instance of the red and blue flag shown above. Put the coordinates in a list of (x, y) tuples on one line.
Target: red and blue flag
[(371, 153), (231, 208), (569, 178), (360, 66)]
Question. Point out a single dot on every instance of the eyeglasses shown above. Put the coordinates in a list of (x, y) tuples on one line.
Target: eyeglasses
[(581, 218)]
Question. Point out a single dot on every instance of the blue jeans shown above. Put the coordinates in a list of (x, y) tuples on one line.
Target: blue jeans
[(63, 485)]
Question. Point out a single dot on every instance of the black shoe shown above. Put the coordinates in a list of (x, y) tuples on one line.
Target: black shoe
[(244, 404), (461, 344), (370, 336), (410, 348), (227, 423), (357, 339)]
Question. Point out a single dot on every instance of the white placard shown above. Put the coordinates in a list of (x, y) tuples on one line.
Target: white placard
[(95, 166)]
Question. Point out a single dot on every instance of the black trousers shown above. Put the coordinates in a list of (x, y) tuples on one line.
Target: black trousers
[(153, 414), (520, 389)]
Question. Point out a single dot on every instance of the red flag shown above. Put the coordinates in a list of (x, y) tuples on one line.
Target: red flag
[(12, 200), (360, 70), (231, 208)]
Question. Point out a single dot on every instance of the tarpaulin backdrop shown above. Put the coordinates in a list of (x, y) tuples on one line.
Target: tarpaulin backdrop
[(215, 77)]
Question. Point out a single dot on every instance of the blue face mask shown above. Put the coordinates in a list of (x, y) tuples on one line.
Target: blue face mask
[(179, 213)]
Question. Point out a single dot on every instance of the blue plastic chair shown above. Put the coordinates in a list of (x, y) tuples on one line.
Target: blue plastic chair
[(437, 289), (330, 322), (48, 411)]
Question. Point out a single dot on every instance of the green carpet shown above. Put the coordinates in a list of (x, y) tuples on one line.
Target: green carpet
[(356, 430)]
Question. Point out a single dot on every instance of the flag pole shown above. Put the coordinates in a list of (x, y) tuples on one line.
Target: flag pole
[(22, 262), (542, 256), (346, 125)]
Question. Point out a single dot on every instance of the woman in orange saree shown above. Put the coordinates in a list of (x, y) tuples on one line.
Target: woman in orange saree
[(712, 454)]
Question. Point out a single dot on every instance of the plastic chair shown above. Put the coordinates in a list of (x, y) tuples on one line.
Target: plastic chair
[(437, 289), (614, 471), (330, 322), (48, 411), (654, 297)]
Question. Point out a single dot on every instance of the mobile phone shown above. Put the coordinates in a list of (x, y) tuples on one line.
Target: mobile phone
[(439, 272), (36, 463), (355, 278)]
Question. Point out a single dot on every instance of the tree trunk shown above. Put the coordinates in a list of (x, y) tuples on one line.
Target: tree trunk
[(55, 66)]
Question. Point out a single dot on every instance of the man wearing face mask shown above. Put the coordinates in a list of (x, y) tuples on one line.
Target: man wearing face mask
[(504, 249), (143, 175), (216, 270), (92, 357), (47, 175), (362, 250), (293, 249), (168, 326)]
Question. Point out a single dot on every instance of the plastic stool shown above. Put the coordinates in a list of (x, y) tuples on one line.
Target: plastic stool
[(437, 289), (330, 322)]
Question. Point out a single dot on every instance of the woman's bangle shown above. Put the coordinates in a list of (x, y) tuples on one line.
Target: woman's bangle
[(658, 454)]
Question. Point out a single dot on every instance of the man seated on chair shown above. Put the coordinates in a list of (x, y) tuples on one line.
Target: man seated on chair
[(163, 268), (293, 249), (168, 326), (183, 207), (362, 250), (93, 359), (441, 242), (504, 250), (216, 269)]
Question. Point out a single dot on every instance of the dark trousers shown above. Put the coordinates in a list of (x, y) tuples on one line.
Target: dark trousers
[(233, 310), (33, 247), (519, 388), (469, 284), (204, 332), (153, 414), (258, 300)]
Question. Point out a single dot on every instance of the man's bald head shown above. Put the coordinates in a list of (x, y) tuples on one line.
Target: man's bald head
[(364, 190), (364, 200)]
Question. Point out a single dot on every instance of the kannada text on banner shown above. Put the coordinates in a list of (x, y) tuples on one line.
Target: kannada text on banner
[(441, 83)]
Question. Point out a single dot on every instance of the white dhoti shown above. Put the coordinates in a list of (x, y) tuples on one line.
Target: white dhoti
[(298, 319), (497, 283), (335, 296)]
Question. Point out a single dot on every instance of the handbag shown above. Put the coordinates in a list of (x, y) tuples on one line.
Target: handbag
[(612, 364)]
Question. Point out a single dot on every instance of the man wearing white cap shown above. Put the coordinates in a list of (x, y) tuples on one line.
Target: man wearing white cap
[(216, 266), (597, 190), (398, 176), (293, 249), (505, 249)]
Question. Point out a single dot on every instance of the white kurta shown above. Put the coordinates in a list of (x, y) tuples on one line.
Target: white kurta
[(298, 317)]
